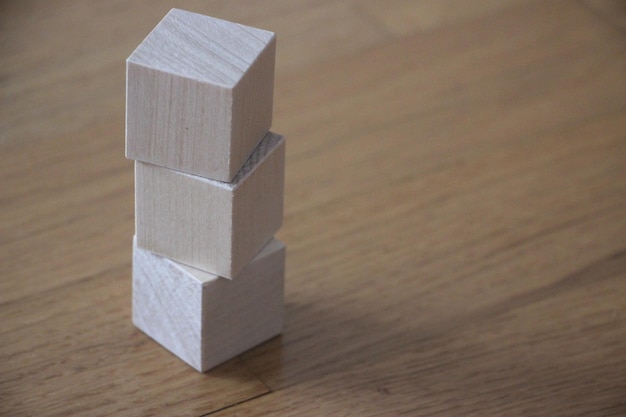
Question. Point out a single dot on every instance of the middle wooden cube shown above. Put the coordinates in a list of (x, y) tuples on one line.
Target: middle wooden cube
[(214, 226)]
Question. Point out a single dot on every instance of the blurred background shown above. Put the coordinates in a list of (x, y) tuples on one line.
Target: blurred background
[(68, 45), (454, 214)]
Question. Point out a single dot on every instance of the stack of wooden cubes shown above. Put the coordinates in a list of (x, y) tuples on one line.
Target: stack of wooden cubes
[(208, 276)]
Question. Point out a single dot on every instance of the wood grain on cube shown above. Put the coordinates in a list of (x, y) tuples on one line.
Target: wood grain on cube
[(214, 226), (205, 319), (199, 94)]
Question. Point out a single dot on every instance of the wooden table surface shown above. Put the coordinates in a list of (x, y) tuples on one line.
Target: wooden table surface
[(455, 213)]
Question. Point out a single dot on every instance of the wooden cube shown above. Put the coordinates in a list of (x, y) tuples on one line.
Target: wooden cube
[(199, 94), (202, 318), (211, 225)]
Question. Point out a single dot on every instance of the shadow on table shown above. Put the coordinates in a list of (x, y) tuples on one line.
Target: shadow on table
[(481, 356)]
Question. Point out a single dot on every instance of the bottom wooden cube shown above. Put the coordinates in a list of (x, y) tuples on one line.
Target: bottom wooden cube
[(205, 319)]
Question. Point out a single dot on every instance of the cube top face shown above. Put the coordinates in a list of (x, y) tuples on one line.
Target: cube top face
[(199, 95), (269, 143), (201, 48), (204, 277)]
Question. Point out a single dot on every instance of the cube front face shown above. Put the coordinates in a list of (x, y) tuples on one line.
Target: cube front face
[(210, 225), (167, 305), (205, 319), (199, 95), (183, 217), (173, 122)]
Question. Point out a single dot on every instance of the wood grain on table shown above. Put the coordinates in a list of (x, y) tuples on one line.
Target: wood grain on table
[(455, 212)]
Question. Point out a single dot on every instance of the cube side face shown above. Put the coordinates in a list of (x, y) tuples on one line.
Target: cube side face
[(244, 312), (258, 204), (178, 123), (253, 100), (183, 217), (167, 305)]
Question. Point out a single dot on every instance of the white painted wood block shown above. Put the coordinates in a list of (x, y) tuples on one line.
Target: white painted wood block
[(211, 225), (199, 94), (205, 319)]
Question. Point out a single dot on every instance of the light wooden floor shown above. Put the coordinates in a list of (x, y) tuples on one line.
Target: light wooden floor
[(455, 213)]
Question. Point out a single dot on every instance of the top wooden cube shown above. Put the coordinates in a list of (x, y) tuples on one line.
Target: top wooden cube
[(199, 94)]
